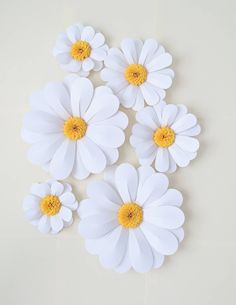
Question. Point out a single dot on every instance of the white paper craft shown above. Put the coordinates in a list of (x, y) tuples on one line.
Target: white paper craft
[(138, 72), (164, 135), (49, 206), (132, 219), (80, 49), (74, 129)]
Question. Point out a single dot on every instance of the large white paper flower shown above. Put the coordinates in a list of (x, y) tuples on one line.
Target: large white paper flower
[(75, 130), (165, 134), (49, 206), (132, 220), (138, 72), (80, 49)]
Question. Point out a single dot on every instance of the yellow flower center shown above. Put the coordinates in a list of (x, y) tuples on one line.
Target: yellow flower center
[(136, 74), (80, 50), (75, 128), (130, 215), (50, 205), (164, 136)]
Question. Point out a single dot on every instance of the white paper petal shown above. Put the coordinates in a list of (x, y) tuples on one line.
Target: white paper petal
[(40, 189), (160, 62), (129, 49), (103, 191), (149, 48), (171, 197), (106, 135), (115, 245), (162, 161), (65, 214), (187, 143), (167, 217), (91, 155), (126, 180), (168, 115), (56, 223), (185, 122), (161, 240), (97, 40), (63, 160), (141, 256), (153, 188), (150, 93), (147, 117), (44, 225), (87, 33), (57, 188), (81, 96)]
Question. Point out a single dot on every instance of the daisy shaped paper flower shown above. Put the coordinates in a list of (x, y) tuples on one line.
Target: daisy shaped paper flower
[(132, 220), (138, 72), (49, 206), (80, 49), (75, 130), (165, 134)]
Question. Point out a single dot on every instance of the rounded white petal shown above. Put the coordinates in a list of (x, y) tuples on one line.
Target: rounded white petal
[(105, 135), (81, 96), (161, 240), (159, 62), (31, 202), (44, 225), (185, 122), (42, 122), (57, 188), (97, 40), (102, 107), (160, 80), (187, 143), (126, 180), (87, 64), (91, 155), (194, 131), (103, 191), (148, 49), (147, 117), (115, 245), (150, 93), (182, 158), (167, 217), (128, 47), (79, 171), (93, 227), (171, 197), (98, 54), (168, 115), (179, 234), (73, 33), (87, 33), (65, 214), (140, 252), (158, 259), (162, 162), (153, 188), (40, 189), (63, 160), (56, 223)]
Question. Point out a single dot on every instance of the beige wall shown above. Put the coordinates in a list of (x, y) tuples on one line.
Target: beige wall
[(57, 270)]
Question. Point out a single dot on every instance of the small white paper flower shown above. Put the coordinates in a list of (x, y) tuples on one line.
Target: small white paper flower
[(138, 73), (132, 220), (165, 134), (75, 130), (80, 49), (49, 206)]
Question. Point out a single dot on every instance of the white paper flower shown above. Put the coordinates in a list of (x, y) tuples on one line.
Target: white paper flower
[(75, 130), (49, 206), (132, 220), (80, 49), (138, 72), (164, 133)]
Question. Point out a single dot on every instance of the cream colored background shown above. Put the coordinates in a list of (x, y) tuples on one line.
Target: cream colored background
[(57, 270)]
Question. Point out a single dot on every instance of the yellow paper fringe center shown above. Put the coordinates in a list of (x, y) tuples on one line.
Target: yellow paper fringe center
[(164, 137), (80, 50), (130, 215), (75, 128), (136, 74), (50, 205)]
